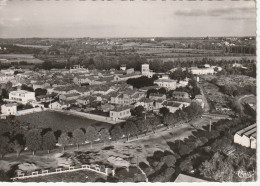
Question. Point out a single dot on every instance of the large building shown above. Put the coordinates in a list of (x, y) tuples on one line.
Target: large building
[(22, 96), (201, 71), (169, 84), (246, 137), (127, 98), (120, 113)]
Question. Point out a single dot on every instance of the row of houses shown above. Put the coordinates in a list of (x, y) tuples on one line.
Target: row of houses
[(246, 137)]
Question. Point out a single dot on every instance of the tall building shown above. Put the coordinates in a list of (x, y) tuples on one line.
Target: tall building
[(146, 71)]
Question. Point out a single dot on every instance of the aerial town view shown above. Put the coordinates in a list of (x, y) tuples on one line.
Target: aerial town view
[(127, 94)]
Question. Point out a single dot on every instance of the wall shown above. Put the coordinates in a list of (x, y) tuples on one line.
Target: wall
[(94, 117), (29, 111)]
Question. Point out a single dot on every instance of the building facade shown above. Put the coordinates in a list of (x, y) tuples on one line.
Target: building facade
[(120, 113), (246, 137), (22, 96), (169, 84)]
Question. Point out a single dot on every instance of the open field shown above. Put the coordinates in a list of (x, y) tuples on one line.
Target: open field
[(12, 58), (34, 46), (193, 57), (59, 121)]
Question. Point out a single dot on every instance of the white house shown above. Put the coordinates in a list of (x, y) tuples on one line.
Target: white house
[(247, 136), (22, 96), (9, 109), (123, 67), (120, 113), (201, 71), (57, 106), (169, 84), (146, 103)]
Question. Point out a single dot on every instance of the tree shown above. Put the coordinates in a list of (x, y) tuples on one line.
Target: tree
[(129, 129), (25, 87), (48, 141), (104, 135), (138, 111), (153, 123), (78, 137), (164, 111), (3, 176), (40, 92), (162, 90), (64, 140), (142, 126), (151, 91), (17, 147), (91, 135), (5, 94), (116, 133), (34, 140), (169, 120), (4, 145)]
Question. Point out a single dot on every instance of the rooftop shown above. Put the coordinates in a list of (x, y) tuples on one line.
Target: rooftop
[(10, 104), (20, 91), (172, 104), (118, 109), (165, 80), (186, 178), (247, 129)]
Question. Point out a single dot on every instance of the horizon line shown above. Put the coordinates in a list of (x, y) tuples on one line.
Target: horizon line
[(123, 37)]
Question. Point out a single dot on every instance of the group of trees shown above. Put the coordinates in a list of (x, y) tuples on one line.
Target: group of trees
[(141, 81), (36, 140), (221, 168), (234, 90), (186, 114), (179, 74), (192, 89), (153, 90)]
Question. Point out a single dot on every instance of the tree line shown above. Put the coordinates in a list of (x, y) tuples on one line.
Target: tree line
[(16, 136)]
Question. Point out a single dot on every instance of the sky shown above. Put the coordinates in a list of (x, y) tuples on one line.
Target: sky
[(77, 18)]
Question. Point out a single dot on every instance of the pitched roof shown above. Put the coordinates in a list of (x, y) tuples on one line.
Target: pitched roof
[(186, 178), (247, 129), (118, 109)]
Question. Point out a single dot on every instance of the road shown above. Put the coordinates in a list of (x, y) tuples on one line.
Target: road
[(241, 100)]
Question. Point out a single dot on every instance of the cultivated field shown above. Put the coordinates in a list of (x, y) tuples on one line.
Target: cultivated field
[(60, 121), (34, 46), (193, 57), (12, 58)]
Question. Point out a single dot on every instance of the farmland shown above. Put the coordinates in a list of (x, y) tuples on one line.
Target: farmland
[(15, 58), (34, 46), (59, 121)]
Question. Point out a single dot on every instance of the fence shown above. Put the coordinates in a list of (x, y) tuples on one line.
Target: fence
[(95, 117), (94, 168)]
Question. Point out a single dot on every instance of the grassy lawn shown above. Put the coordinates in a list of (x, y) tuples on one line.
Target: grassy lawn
[(60, 121)]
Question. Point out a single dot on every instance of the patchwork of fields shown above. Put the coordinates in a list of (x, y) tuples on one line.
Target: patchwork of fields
[(15, 58)]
